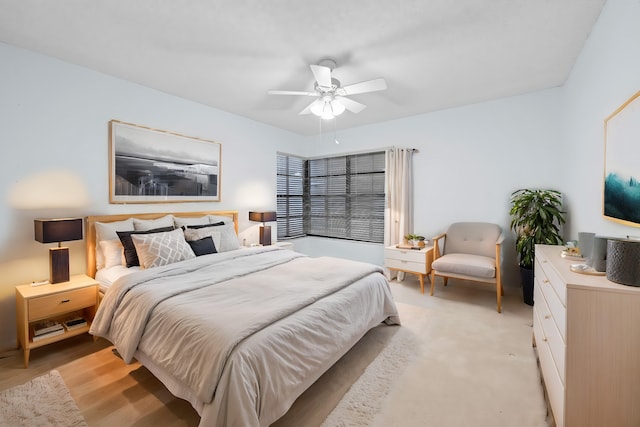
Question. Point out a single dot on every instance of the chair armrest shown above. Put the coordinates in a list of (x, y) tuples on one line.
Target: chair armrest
[(436, 247), (498, 248)]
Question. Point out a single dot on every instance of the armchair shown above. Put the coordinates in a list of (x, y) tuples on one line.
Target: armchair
[(470, 251)]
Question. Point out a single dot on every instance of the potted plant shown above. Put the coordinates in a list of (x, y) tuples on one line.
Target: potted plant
[(536, 217), (414, 239)]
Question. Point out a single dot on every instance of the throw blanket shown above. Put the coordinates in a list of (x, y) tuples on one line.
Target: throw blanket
[(193, 314)]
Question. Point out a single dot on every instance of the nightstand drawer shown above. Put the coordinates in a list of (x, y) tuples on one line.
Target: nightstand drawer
[(411, 255), (417, 267), (62, 302)]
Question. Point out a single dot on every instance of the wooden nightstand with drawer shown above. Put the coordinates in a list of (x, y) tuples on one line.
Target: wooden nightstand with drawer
[(410, 261), (34, 304)]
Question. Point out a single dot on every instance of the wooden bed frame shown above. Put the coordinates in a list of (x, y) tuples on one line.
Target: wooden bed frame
[(90, 228)]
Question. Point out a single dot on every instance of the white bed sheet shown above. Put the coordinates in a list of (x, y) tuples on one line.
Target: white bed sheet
[(106, 276)]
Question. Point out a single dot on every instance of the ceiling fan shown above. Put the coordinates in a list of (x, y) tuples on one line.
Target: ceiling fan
[(331, 97)]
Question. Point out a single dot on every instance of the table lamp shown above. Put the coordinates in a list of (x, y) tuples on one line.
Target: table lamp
[(57, 231), (265, 230)]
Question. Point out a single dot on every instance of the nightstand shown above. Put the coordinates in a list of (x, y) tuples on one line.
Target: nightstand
[(410, 261), (77, 297)]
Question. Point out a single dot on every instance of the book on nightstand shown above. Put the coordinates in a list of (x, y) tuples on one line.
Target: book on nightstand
[(74, 323), (46, 327)]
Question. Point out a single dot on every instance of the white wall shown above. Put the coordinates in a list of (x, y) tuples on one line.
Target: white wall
[(54, 119), (606, 74)]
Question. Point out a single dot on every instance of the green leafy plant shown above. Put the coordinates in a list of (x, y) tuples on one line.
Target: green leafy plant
[(536, 216)]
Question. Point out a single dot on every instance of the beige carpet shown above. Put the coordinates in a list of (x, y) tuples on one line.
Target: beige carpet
[(43, 401), (469, 366)]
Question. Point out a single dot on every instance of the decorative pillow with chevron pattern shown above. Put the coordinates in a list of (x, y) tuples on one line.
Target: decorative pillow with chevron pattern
[(157, 249)]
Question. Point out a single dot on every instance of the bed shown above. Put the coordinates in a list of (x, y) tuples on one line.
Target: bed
[(239, 333)]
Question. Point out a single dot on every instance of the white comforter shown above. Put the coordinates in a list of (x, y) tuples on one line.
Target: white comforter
[(246, 331)]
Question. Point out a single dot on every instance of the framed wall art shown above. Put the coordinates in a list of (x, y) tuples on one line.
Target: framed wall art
[(621, 198), (154, 166)]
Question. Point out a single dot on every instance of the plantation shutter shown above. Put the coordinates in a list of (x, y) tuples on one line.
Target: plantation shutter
[(290, 196), (346, 197)]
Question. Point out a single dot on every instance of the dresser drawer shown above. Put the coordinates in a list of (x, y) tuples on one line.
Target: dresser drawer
[(552, 381), (409, 255), (417, 267), (62, 302), (555, 305), (550, 331), (546, 274)]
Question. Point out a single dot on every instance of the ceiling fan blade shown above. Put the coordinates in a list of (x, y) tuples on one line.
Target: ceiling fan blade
[(350, 104), (362, 87), (291, 92), (307, 109), (322, 75)]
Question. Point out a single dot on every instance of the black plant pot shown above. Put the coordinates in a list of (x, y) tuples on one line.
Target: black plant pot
[(526, 277)]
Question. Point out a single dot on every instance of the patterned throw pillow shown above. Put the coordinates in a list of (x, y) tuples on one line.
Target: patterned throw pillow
[(158, 249), (130, 253)]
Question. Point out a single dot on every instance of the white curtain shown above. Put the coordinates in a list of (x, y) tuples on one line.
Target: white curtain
[(399, 194)]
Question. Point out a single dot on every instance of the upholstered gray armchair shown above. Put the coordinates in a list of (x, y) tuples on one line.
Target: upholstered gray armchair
[(470, 251)]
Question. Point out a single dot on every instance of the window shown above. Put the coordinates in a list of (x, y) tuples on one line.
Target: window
[(343, 197), (290, 200)]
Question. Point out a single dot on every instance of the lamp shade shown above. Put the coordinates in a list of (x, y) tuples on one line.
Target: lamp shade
[(268, 216), (58, 230)]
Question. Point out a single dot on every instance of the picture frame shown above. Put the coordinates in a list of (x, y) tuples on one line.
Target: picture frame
[(621, 190), (149, 165)]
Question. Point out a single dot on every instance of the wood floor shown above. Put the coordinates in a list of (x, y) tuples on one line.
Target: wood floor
[(107, 391)]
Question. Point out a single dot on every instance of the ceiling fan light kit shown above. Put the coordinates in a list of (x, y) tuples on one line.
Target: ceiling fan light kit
[(332, 97), (327, 108)]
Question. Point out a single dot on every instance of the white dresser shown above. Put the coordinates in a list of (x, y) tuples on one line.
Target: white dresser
[(587, 333), (410, 261)]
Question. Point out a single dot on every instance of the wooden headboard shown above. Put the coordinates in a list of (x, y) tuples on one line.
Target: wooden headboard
[(90, 228)]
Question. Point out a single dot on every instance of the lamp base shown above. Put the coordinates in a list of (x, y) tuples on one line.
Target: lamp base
[(58, 265), (265, 235)]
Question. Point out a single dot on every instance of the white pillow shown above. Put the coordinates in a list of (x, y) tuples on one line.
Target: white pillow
[(113, 253), (192, 234), (150, 224), (107, 231), (180, 222), (158, 249), (228, 237)]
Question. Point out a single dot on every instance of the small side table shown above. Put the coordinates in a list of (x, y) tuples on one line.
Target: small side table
[(412, 261), (78, 296)]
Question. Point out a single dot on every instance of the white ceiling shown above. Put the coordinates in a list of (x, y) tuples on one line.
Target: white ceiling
[(434, 54)]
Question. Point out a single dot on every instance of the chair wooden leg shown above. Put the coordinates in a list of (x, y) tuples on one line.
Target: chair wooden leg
[(499, 293), (433, 282), (446, 279)]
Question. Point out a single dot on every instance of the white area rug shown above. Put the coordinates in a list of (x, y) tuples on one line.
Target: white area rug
[(43, 401), (364, 399)]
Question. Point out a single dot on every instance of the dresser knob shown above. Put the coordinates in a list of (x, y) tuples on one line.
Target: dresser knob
[(65, 300)]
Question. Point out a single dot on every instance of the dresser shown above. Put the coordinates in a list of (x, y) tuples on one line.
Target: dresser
[(410, 261), (587, 336)]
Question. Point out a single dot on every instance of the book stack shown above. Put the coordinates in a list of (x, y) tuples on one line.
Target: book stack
[(74, 323), (46, 329)]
